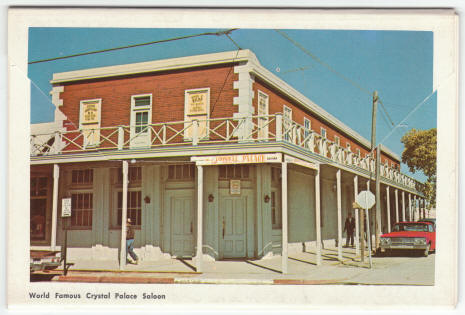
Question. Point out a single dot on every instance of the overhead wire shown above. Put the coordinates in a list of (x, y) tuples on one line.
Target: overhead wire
[(219, 33)]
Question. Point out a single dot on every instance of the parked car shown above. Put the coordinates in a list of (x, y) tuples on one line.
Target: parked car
[(410, 236), (41, 260)]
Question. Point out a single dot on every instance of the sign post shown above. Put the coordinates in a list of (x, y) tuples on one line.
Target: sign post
[(366, 200), (65, 213)]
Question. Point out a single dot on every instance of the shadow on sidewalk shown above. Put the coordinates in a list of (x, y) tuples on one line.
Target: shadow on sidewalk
[(263, 267), (187, 264)]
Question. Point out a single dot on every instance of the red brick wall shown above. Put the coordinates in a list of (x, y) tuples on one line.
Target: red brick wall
[(276, 102), (167, 94)]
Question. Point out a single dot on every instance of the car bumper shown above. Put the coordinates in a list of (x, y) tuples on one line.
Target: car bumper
[(402, 246), (44, 266)]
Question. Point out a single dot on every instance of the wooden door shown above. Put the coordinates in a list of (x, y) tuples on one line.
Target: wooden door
[(182, 226), (233, 240)]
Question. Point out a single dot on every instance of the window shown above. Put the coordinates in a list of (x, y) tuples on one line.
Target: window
[(262, 111), (276, 214), (134, 196), (141, 118), (89, 122), (337, 140), (323, 132), (287, 122), (82, 208), (348, 146), (234, 172), (134, 207), (307, 127), (81, 189), (38, 194), (181, 172), (358, 152)]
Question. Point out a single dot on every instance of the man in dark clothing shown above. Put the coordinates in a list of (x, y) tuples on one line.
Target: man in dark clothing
[(349, 226), (130, 243)]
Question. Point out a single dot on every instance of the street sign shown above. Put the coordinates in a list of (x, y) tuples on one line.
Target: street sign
[(65, 207), (365, 199)]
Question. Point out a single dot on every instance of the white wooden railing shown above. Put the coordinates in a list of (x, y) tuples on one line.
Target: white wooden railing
[(209, 131)]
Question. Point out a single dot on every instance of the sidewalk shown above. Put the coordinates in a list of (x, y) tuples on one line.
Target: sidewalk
[(302, 269)]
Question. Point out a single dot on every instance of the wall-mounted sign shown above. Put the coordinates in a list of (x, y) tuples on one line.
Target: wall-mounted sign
[(235, 187), (237, 159), (90, 112), (197, 102), (65, 207), (290, 159)]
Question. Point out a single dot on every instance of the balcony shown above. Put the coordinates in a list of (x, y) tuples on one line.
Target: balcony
[(250, 129)]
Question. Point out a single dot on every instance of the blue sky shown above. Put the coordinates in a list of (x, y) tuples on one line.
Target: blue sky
[(398, 64)]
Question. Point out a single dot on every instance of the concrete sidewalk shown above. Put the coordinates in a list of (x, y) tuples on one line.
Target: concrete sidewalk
[(302, 269)]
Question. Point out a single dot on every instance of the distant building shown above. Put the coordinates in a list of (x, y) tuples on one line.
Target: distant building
[(211, 152)]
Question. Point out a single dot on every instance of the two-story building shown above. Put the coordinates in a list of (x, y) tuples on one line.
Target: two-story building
[(211, 156)]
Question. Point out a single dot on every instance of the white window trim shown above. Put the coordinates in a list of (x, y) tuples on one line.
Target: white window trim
[(321, 132), (99, 113), (145, 140), (348, 146), (337, 140), (186, 116), (287, 122), (263, 132)]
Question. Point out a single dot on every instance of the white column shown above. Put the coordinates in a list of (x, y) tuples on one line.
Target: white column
[(318, 217), (339, 215), (403, 205), (410, 207), (56, 176), (284, 215), (396, 194), (388, 209), (199, 217), (124, 216), (417, 207), (357, 223)]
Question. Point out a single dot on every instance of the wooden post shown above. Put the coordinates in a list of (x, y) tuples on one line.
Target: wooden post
[(56, 177), (362, 234), (284, 216), (388, 209), (124, 217), (339, 215), (377, 231), (318, 217), (199, 253)]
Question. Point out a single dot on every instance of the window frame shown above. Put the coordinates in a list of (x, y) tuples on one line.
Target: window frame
[(143, 138), (287, 122), (323, 131), (95, 126), (262, 122)]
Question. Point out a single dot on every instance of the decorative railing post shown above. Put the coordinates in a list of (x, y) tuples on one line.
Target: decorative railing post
[(279, 127), (195, 132), (56, 143), (120, 137)]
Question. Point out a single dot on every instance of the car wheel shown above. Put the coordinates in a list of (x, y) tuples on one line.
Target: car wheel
[(426, 253)]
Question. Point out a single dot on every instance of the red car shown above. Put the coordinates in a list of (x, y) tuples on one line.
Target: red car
[(417, 236)]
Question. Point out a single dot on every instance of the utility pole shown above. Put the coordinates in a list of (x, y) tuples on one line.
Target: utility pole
[(377, 169), (362, 235)]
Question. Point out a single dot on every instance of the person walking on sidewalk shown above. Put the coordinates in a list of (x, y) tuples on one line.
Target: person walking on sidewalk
[(349, 226), (130, 243)]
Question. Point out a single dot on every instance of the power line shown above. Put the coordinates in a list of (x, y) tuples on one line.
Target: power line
[(219, 33), (385, 111), (309, 53)]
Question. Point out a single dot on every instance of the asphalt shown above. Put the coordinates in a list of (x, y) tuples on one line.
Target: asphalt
[(302, 269)]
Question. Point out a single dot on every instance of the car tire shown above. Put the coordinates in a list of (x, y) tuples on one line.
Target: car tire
[(426, 252)]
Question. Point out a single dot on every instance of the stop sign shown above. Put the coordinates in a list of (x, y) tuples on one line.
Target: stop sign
[(365, 199)]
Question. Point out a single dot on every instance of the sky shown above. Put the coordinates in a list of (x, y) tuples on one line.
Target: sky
[(337, 69)]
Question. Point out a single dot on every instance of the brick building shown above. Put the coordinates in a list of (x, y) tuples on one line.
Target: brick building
[(211, 156)]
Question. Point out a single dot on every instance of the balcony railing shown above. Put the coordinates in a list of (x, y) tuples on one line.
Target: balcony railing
[(270, 128)]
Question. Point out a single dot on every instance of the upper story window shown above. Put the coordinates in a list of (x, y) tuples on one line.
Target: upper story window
[(337, 140), (307, 126), (323, 132), (358, 151), (348, 146), (89, 122), (287, 122), (234, 172), (263, 111), (141, 118)]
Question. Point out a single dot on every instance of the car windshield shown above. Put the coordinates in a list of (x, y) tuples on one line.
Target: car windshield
[(411, 227)]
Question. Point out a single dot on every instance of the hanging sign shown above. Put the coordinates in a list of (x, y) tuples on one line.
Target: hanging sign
[(235, 187), (237, 159), (65, 207), (90, 112)]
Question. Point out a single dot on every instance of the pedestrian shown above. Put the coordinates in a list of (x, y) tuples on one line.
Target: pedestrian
[(349, 226), (130, 243)]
